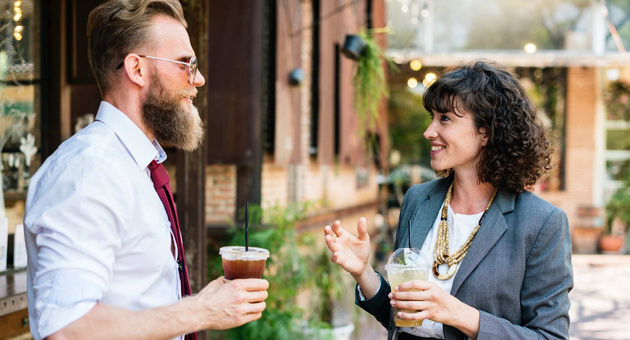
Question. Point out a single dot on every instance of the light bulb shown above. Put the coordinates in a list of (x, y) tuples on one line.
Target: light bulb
[(415, 65), (530, 48)]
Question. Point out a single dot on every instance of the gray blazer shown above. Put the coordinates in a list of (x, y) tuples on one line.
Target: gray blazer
[(517, 273)]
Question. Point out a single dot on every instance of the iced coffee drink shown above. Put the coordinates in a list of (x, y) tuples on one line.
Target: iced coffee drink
[(406, 264), (239, 263)]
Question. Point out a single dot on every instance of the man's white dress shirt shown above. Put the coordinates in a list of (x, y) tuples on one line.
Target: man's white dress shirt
[(460, 228), (95, 228)]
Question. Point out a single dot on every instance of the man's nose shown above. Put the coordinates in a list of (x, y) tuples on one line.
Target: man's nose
[(199, 79)]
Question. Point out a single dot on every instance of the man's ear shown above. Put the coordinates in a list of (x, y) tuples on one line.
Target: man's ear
[(135, 69)]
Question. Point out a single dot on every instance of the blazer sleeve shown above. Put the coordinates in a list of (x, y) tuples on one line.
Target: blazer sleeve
[(379, 305), (545, 292)]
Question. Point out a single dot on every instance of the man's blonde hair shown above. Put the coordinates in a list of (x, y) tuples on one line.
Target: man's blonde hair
[(119, 27)]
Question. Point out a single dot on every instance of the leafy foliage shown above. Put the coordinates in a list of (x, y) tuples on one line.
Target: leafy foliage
[(407, 121), (617, 99), (619, 204), (369, 83), (326, 284), (288, 271)]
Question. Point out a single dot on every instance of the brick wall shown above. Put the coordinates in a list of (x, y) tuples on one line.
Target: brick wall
[(337, 185), (275, 181), (220, 193), (581, 153)]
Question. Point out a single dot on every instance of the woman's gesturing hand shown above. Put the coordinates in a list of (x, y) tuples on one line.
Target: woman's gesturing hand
[(349, 252)]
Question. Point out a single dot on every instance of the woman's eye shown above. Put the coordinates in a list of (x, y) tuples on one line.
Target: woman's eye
[(444, 118)]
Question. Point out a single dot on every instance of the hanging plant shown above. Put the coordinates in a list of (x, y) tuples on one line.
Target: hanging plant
[(370, 85)]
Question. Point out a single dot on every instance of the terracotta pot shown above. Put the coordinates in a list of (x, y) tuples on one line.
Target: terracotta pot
[(611, 243)]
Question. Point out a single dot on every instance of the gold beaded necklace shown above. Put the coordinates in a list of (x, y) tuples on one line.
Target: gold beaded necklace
[(441, 253)]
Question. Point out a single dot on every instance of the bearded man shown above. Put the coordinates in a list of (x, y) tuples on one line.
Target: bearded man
[(105, 257)]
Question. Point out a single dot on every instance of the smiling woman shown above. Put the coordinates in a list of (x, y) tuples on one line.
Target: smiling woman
[(490, 240)]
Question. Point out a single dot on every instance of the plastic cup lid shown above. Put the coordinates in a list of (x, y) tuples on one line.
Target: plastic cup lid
[(407, 257), (239, 253)]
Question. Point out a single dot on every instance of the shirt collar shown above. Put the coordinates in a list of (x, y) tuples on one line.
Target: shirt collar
[(139, 146)]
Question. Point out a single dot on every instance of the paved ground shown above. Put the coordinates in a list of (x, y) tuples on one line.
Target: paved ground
[(601, 298), (600, 301)]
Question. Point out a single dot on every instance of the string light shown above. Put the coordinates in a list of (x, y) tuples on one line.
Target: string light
[(412, 83), (17, 31), (415, 65), (530, 48), (429, 78)]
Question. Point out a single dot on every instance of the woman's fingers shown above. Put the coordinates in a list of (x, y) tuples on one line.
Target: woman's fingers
[(413, 305), (362, 230), (411, 295), (414, 285), (328, 232), (337, 229), (330, 243), (338, 258), (419, 315)]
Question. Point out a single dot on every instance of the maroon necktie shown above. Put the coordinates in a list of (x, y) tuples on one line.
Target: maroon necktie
[(162, 185)]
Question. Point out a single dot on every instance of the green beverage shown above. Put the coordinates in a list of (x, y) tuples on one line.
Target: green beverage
[(406, 264)]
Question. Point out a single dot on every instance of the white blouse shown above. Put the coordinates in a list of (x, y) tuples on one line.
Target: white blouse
[(459, 228)]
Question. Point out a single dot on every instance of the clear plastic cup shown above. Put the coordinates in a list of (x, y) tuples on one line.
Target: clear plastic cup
[(406, 264), (241, 264)]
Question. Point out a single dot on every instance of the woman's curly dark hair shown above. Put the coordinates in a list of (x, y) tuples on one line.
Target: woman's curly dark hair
[(518, 150)]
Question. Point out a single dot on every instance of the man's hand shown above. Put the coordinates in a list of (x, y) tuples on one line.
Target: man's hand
[(227, 304)]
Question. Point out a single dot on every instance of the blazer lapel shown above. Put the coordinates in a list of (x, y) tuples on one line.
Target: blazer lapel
[(491, 230), (425, 215)]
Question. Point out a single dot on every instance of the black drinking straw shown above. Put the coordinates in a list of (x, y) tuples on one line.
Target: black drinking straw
[(246, 226)]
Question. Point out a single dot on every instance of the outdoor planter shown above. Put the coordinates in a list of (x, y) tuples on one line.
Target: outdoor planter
[(353, 46), (611, 243)]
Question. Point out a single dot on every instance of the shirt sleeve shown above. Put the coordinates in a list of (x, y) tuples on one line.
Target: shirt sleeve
[(76, 216)]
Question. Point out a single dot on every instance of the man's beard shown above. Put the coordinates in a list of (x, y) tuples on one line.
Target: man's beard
[(171, 122)]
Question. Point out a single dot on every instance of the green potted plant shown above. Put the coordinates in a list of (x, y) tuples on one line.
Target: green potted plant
[(617, 212), (370, 85)]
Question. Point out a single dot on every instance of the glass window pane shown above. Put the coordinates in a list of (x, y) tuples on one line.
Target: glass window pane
[(618, 139), (19, 104)]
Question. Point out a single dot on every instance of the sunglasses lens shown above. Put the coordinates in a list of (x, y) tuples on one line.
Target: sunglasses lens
[(192, 70)]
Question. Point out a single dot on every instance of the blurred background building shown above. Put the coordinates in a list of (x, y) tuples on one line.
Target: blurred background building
[(570, 57)]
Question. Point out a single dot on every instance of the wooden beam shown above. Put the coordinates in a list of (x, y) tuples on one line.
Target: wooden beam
[(191, 166)]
